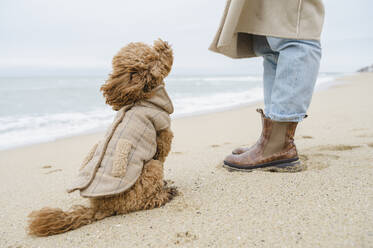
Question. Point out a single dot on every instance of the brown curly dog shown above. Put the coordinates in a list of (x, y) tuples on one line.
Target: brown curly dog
[(124, 171)]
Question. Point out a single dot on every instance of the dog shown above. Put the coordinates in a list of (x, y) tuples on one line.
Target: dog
[(124, 171)]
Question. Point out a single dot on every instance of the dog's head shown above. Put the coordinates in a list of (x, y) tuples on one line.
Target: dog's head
[(137, 70)]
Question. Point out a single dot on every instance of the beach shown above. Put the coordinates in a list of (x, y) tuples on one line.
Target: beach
[(328, 205)]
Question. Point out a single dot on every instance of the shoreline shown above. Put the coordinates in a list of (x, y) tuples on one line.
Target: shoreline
[(323, 86), (328, 205)]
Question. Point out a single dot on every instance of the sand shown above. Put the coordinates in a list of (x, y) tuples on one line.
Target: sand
[(328, 205)]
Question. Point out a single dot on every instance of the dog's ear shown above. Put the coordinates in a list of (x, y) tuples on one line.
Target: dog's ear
[(162, 47), (128, 87), (113, 88), (163, 65)]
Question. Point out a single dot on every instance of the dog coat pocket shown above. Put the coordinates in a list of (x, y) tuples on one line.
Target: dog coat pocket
[(120, 159), (89, 156)]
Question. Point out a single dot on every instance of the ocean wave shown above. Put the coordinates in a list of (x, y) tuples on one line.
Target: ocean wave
[(190, 96), (214, 102), (24, 130), (322, 80)]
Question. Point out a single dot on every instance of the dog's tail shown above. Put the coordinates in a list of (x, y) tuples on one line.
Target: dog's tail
[(50, 221)]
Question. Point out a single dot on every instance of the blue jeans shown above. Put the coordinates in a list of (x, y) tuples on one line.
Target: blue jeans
[(291, 68)]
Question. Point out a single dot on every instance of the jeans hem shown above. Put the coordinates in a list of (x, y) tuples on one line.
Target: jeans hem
[(286, 118)]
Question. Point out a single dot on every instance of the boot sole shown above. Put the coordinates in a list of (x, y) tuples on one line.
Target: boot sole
[(287, 165)]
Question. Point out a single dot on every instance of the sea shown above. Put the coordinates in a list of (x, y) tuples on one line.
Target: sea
[(40, 109)]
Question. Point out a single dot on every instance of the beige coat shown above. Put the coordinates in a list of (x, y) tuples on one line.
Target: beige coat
[(115, 163), (295, 19)]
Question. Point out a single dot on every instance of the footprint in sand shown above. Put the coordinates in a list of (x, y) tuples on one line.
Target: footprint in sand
[(317, 161), (52, 171), (215, 145), (185, 237), (49, 167), (338, 147), (320, 160), (177, 153)]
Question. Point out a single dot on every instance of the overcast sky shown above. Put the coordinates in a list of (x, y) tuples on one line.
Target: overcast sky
[(44, 37)]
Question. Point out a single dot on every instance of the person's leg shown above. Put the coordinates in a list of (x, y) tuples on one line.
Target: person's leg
[(291, 91), (296, 74), (270, 57)]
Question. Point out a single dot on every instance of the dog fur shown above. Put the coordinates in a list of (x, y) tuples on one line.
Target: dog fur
[(137, 70)]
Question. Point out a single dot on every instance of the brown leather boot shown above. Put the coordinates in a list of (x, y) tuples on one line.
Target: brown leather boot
[(275, 150), (240, 150)]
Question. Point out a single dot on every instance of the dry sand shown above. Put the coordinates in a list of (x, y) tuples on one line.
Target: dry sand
[(329, 205)]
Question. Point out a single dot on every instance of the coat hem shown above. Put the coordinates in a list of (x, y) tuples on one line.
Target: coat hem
[(283, 36), (215, 48), (231, 56), (108, 194)]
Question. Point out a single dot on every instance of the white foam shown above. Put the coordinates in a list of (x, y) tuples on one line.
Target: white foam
[(25, 130), (203, 104)]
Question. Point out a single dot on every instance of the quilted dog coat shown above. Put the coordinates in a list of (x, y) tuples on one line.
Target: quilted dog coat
[(116, 162)]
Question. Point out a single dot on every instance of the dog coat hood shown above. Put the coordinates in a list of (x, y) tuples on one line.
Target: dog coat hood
[(115, 163)]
